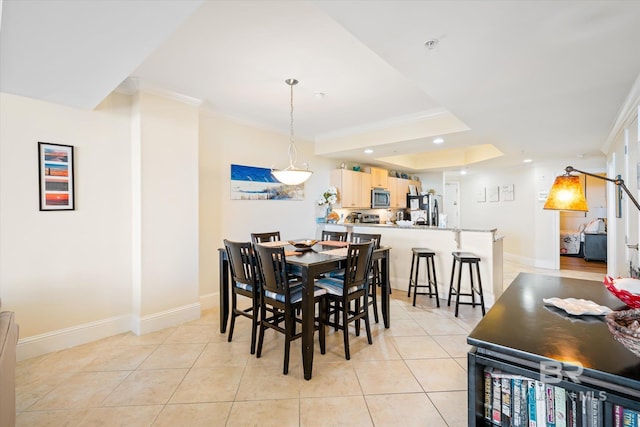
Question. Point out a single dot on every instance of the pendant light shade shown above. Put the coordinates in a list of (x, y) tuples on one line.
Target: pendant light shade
[(291, 175)]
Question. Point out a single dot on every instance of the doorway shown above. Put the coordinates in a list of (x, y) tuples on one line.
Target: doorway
[(451, 203), (583, 235)]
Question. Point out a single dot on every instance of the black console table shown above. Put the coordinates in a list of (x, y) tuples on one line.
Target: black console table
[(520, 332)]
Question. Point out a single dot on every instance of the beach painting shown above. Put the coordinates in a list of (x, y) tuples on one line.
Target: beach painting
[(56, 177), (254, 183)]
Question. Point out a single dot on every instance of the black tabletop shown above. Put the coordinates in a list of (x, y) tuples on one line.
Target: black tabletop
[(521, 325)]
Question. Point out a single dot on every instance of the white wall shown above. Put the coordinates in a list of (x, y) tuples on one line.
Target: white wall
[(513, 219), (63, 269), (127, 257), (624, 231), (224, 142), (530, 233), (167, 229)]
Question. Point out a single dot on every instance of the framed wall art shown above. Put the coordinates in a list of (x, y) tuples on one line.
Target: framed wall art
[(506, 192), (256, 183), (492, 193), (56, 177)]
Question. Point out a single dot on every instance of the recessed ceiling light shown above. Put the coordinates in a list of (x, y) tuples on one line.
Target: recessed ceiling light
[(463, 172), (528, 160), (438, 140), (368, 151)]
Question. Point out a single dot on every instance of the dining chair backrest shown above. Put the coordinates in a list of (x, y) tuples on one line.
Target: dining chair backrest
[(358, 264), (340, 236), (273, 269), (366, 237), (242, 262), (272, 236)]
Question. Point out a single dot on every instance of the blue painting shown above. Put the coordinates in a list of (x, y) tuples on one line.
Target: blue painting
[(253, 183)]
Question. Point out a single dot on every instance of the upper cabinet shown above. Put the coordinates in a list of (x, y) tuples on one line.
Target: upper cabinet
[(354, 188), (399, 188), (396, 192), (379, 177)]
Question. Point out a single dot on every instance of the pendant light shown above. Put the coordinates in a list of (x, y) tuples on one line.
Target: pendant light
[(291, 175)]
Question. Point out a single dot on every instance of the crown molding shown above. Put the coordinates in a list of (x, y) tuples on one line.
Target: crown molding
[(627, 114)]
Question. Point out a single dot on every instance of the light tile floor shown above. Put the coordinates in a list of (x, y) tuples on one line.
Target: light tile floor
[(414, 374)]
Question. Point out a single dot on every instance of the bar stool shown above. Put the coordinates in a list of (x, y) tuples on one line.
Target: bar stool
[(470, 259), (429, 256)]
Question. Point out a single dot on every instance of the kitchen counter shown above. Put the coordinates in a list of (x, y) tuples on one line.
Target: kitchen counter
[(413, 227), (443, 241)]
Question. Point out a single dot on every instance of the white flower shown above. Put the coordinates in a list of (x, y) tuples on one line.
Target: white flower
[(330, 196)]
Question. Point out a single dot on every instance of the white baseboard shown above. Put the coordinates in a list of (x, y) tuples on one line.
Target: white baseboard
[(38, 345), (519, 259), (166, 319), (210, 300)]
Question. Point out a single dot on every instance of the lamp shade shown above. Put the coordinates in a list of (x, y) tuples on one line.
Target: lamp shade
[(566, 194), (291, 176)]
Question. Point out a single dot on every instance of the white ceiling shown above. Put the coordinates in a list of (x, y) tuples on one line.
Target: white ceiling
[(536, 79)]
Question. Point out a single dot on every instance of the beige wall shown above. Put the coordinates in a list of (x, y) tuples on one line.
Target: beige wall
[(167, 228), (63, 269), (127, 257), (531, 234), (224, 142)]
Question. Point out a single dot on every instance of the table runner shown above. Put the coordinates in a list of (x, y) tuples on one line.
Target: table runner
[(338, 252), (334, 243), (275, 244)]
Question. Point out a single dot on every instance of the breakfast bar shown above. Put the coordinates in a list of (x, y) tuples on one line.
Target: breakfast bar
[(485, 243)]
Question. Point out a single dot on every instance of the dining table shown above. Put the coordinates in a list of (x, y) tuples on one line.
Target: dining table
[(323, 257)]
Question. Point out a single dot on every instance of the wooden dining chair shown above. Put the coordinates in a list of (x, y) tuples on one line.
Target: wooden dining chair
[(272, 236), (340, 236), (244, 279), (354, 287), (281, 299), (375, 275)]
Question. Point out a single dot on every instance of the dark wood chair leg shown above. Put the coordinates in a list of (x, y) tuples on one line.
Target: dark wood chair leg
[(453, 270), (413, 259), (345, 334)]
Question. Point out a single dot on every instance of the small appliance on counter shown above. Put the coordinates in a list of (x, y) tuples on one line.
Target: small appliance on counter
[(370, 219), (419, 217), (354, 217)]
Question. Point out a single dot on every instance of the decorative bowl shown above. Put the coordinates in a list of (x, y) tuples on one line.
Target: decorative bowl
[(303, 244), (631, 299), (625, 327)]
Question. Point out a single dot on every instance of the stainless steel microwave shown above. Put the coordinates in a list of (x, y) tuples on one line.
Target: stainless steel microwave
[(380, 198)]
